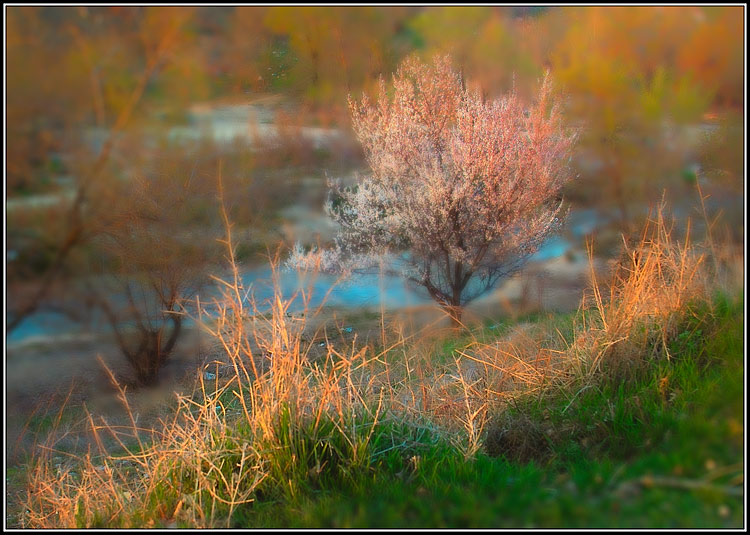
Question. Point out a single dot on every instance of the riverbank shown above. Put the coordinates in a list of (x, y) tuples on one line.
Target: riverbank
[(656, 446), (41, 368), (625, 413)]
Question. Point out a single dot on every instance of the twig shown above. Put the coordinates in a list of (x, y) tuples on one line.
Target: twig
[(688, 484)]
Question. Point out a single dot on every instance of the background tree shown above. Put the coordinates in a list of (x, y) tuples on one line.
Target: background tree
[(485, 45), (632, 98), (151, 259), (90, 67), (466, 188), (333, 51)]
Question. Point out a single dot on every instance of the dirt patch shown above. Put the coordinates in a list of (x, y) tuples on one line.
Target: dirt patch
[(42, 375)]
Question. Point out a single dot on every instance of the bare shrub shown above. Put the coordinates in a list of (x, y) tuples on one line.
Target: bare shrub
[(152, 260)]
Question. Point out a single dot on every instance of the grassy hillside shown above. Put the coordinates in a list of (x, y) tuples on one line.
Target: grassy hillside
[(658, 448), (628, 413)]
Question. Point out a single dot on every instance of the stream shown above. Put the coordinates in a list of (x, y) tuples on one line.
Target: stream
[(251, 123), (359, 291)]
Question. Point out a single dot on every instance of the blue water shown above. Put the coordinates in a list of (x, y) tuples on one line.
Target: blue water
[(359, 291), (370, 290), (554, 247), (44, 324)]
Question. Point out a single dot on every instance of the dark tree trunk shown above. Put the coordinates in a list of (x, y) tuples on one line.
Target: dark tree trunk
[(455, 312), (154, 352)]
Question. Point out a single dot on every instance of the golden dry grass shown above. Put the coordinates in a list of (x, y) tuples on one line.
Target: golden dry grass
[(231, 438)]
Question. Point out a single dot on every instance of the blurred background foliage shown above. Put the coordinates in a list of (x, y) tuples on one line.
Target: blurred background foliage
[(657, 92), (96, 97), (633, 75)]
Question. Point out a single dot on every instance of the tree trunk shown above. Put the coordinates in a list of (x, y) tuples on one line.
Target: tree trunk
[(455, 312), (617, 182)]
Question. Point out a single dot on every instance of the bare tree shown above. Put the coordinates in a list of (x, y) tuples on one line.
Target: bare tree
[(153, 261), (157, 316), (77, 226), (462, 190)]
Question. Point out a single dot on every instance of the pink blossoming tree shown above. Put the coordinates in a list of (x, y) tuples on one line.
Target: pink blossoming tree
[(462, 190)]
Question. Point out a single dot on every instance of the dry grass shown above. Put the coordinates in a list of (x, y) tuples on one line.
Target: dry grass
[(282, 417), (224, 440), (653, 282), (621, 322), (653, 287)]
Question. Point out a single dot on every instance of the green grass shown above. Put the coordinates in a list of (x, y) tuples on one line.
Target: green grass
[(653, 445), (621, 452)]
